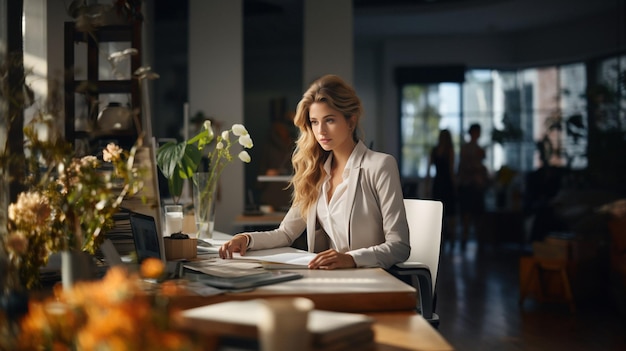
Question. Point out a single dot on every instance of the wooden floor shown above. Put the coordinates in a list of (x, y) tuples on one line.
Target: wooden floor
[(477, 302)]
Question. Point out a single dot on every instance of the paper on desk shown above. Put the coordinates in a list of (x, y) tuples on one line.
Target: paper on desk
[(225, 268), (279, 258)]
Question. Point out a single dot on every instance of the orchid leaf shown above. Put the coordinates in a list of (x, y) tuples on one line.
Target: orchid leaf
[(189, 161), (178, 161), (167, 158)]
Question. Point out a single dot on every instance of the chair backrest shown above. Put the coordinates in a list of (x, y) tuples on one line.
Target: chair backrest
[(425, 219)]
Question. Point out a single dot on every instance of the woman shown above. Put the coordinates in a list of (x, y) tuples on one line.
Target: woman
[(347, 197), (472, 178), (443, 188)]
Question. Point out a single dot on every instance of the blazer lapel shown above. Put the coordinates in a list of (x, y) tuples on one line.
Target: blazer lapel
[(353, 181)]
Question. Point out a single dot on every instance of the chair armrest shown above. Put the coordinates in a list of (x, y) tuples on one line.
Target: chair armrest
[(410, 265), (421, 280)]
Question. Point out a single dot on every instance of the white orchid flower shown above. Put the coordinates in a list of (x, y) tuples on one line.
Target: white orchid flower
[(239, 129), (120, 55), (219, 146), (244, 156), (100, 205), (146, 73), (246, 141), (225, 135), (207, 126)]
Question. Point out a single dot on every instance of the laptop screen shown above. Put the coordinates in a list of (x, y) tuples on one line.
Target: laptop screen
[(146, 236)]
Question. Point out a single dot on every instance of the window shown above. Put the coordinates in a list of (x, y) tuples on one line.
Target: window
[(426, 108), (528, 117), (609, 95)]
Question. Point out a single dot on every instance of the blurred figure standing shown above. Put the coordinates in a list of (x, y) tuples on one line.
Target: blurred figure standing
[(473, 179), (443, 183)]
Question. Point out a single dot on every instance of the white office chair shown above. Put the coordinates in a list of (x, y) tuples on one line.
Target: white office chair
[(425, 219)]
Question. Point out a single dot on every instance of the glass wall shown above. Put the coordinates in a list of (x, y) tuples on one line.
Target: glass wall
[(609, 95), (425, 110), (529, 117), (607, 121)]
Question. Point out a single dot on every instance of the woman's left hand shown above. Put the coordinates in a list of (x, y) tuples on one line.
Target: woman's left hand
[(331, 259)]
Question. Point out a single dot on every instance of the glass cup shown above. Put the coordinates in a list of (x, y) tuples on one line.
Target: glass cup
[(173, 219)]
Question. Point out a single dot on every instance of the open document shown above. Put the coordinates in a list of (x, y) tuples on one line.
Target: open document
[(279, 258)]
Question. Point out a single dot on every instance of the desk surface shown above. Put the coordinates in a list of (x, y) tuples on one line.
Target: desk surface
[(406, 331), (346, 290), (397, 331), (371, 291)]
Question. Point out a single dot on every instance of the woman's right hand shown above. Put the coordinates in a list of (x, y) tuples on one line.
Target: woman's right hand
[(239, 243)]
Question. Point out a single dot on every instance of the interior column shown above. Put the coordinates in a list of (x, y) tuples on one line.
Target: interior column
[(216, 86), (328, 39)]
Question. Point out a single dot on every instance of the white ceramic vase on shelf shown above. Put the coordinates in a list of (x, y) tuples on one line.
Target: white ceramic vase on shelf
[(204, 201)]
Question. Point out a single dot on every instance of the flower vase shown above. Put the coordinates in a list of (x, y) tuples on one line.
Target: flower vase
[(76, 266), (204, 201)]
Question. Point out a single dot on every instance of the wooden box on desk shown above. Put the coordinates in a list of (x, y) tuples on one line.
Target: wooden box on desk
[(176, 249)]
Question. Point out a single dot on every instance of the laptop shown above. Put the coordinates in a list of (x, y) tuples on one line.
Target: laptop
[(148, 241)]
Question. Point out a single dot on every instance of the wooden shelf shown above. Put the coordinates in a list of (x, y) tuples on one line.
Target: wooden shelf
[(114, 33), (108, 86)]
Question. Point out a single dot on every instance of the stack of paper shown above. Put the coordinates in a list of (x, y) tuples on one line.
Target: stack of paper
[(329, 330), (279, 258), (121, 235), (233, 274)]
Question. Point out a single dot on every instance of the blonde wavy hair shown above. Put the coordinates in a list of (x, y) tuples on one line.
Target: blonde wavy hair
[(309, 157)]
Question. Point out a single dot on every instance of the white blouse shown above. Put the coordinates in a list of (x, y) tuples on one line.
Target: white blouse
[(332, 214)]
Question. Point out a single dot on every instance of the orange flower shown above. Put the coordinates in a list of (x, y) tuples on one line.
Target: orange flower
[(171, 288), (115, 313), (152, 268)]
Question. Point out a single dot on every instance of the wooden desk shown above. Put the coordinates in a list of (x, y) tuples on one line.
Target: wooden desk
[(398, 331), (372, 291), (406, 331), (345, 290)]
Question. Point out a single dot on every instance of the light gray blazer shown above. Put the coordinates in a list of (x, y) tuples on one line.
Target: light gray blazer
[(378, 229)]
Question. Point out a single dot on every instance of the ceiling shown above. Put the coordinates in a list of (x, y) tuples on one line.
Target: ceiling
[(270, 23)]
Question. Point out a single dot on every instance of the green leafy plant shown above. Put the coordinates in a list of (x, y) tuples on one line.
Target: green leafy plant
[(179, 161)]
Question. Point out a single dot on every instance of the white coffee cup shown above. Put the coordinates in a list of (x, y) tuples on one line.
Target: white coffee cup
[(283, 324)]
